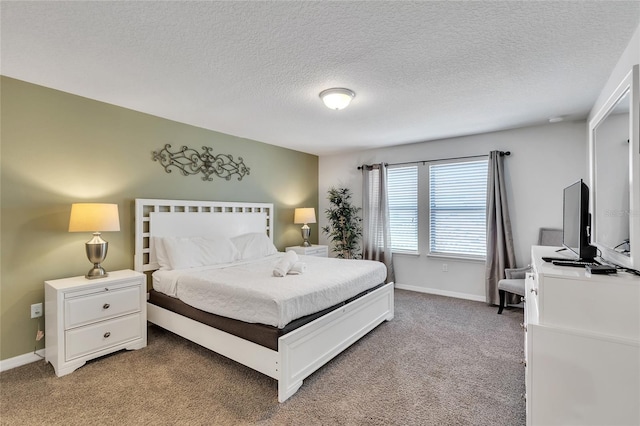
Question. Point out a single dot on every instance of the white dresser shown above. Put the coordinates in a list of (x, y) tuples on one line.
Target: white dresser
[(582, 345), (315, 250), (85, 319)]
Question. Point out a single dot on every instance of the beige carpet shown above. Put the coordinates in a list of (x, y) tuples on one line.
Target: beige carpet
[(441, 361)]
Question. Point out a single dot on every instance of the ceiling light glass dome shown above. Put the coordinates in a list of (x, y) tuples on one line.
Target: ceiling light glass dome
[(337, 98)]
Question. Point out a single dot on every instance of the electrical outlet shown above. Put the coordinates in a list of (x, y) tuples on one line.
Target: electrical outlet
[(36, 310), (445, 267)]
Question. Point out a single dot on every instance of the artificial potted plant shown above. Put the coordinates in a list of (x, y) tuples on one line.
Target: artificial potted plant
[(345, 225)]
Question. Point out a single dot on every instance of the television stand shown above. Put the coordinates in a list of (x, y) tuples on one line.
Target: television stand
[(582, 345)]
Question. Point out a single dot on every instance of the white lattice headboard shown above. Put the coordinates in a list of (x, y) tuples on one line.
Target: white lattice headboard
[(163, 218)]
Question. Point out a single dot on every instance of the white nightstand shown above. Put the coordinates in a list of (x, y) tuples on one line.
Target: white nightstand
[(85, 319), (317, 250)]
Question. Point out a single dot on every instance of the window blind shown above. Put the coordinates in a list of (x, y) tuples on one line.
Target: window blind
[(457, 215), (402, 191)]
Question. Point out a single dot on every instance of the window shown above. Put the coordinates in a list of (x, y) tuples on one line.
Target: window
[(402, 192), (457, 208)]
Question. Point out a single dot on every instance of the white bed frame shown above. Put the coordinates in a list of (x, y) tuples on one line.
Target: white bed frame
[(300, 352)]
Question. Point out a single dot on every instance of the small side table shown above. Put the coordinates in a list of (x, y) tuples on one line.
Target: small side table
[(314, 250), (85, 319)]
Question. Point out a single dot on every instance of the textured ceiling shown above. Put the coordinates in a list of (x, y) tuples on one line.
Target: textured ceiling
[(420, 70)]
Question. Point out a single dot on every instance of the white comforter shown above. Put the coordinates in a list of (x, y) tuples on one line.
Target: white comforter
[(249, 292)]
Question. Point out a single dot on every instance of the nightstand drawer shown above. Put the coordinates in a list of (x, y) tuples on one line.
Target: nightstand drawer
[(100, 306), (96, 337), (320, 251), (315, 250)]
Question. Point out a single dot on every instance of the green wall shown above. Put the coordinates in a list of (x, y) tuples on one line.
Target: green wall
[(58, 149)]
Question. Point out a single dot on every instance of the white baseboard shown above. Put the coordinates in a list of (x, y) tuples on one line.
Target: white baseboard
[(442, 292), (17, 361)]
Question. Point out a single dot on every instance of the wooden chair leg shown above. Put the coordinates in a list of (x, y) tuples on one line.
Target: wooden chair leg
[(502, 297)]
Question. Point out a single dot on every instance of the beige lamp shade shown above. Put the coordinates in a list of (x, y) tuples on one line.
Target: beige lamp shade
[(94, 217), (304, 215)]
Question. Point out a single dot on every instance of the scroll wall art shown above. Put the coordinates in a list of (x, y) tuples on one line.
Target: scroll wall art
[(191, 162)]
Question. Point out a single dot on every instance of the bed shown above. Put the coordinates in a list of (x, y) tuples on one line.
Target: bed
[(286, 352)]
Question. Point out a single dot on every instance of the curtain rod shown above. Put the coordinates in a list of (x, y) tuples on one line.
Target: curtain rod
[(502, 154)]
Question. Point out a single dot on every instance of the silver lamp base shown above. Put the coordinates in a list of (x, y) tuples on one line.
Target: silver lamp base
[(96, 272), (96, 252), (306, 233)]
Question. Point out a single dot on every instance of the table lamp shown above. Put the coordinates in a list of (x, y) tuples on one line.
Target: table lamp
[(96, 218), (305, 215)]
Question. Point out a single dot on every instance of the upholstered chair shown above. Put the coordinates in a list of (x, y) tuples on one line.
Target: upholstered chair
[(514, 277)]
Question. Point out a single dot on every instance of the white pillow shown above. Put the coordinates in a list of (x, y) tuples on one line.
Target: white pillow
[(161, 254), (191, 252), (254, 245)]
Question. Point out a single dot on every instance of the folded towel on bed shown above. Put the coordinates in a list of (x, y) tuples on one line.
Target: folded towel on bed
[(298, 268), (285, 263)]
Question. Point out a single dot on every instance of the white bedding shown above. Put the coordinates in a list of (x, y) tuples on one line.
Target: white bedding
[(249, 292)]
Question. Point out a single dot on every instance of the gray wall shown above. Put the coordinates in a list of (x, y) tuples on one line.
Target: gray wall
[(629, 58), (58, 149)]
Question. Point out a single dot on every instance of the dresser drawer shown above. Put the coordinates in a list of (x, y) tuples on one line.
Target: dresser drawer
[(532, 299), (100, 306), (96, 337)]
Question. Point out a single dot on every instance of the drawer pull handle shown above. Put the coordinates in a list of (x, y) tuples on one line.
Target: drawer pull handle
[(107, 334), (524, 326), (522, 299), (534, 290), (106, 306)]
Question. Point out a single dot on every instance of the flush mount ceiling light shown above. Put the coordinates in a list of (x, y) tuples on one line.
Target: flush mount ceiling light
[(337, 98)]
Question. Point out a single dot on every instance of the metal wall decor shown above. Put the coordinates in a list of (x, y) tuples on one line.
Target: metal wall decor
[(191, 162)]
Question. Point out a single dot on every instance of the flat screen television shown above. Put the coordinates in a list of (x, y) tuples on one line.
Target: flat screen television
[(576, 221)]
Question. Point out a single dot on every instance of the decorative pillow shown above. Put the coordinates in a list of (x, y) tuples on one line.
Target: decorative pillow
[(191, 252), (254, 245), (161, 254)]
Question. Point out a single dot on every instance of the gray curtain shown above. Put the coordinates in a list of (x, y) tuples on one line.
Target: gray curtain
[(500, 253), (376, 235)]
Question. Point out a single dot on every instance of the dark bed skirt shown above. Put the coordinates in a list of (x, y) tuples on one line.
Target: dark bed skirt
[(261, 334)]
